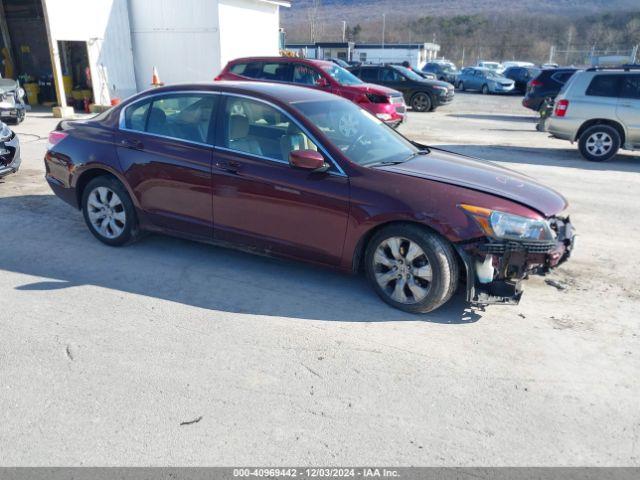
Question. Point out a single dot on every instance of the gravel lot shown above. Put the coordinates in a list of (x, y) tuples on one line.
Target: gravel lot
[(105, 352)]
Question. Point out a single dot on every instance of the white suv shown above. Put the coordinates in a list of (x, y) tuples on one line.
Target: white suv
[(599, 109)]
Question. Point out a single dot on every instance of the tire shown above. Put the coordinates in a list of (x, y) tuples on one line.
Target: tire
[(485, 90), (599, 143), (105, 199), (429, 278), (421, 102)]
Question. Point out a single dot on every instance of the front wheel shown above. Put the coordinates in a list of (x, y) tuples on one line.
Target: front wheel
[(599, 143), (411, 268), (421, 102), (485, 90), (108, 211)]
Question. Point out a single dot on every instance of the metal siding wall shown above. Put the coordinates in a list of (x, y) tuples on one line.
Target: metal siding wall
[(180, 38), (248, 28)]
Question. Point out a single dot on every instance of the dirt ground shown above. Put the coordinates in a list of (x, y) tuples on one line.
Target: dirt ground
[(105, 352)]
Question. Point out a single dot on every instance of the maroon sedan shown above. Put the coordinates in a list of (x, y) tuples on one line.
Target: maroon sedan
[(265, 168)]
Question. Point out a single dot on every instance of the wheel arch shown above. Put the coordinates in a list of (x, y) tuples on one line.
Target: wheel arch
[(602, 121), (98, 171), (357, 263)]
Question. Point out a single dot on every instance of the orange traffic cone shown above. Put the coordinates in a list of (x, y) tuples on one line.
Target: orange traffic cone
[(155, 78)]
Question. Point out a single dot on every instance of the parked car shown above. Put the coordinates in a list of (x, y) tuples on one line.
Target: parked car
[(445, 72), (386, 104), (421, 94), (267, 168), (521, 76), (425, 75), (494, 66), (599, 109), (484, 80), (547, 84), (12, 106), (9, 151)]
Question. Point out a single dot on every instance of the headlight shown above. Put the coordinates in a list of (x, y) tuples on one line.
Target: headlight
[(440, 89), (505, 226)]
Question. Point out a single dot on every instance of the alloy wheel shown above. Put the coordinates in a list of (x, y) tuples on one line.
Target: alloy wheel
[(599, 144), (402, 270), (421, 102), (106, 212)]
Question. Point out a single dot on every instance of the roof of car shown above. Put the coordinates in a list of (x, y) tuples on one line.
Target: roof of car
[(278, 92), (283, 59)]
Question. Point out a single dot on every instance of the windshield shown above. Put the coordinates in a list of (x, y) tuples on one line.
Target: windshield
[(342, 76), (492, 66), (491, 74), (410, 74), (361, 137)]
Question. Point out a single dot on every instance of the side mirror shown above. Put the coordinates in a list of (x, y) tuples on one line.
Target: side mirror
[(308, 160), (322, 83)]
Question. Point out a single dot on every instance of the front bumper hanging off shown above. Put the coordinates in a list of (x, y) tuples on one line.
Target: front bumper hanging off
[(513, 262), (9, 152)]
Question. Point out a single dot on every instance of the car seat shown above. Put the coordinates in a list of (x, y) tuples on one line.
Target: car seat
[(293, 140), (239, 135)]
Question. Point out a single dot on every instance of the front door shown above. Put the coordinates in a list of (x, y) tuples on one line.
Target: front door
[(165, 149), (629, 107), (263, 203)]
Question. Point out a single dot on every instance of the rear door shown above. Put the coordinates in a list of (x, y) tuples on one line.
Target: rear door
[(629, 107), (165, 148), (393, 79), (264, 204)]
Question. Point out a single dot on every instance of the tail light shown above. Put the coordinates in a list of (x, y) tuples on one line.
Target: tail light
[(535, 83), (375, 98), (561, 108), (55, 138), (218, 78)]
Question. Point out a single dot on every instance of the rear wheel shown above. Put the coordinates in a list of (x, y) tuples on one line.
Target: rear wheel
[(411, 268), (599, 143), (485, 89), (421, 102), (108, 211)]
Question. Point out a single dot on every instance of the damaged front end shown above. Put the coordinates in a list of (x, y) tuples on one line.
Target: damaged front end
[(497, 264), (9, 151)]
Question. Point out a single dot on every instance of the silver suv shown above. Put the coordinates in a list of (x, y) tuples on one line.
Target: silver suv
[(599, 109)]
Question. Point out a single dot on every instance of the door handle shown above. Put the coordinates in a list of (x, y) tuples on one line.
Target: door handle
[(132, 144), (230, 166)]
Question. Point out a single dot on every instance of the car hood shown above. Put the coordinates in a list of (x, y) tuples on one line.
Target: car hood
[(376, 89), (7, 85), (435, 83), (483, 176)]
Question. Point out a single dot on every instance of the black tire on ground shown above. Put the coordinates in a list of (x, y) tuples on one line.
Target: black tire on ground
[(129, 227), (421, 102), (599, 143), (438, 254), (485, 90)]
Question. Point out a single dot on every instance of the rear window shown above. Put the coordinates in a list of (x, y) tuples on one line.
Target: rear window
[(562, 77), (603, 86), (238, 68)]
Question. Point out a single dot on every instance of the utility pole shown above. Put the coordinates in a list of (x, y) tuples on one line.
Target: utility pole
[(384, 26), (344, 31)]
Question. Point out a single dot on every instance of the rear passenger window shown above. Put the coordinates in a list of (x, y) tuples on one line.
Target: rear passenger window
[(369, 74), (277, 72), (604, 86), (630, 87), (135, 118), (184, 117)]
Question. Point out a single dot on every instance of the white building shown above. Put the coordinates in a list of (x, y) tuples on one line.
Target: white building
[(111, 46), (417, 54)]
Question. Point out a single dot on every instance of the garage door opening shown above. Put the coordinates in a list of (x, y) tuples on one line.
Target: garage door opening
[(76, 74)]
